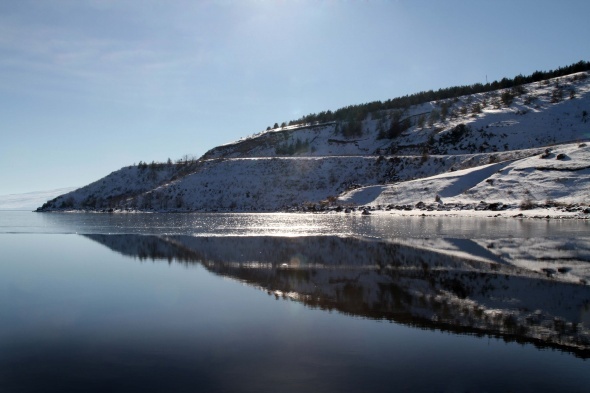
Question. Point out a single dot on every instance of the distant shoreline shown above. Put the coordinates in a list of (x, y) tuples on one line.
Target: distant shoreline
[(582, 213)]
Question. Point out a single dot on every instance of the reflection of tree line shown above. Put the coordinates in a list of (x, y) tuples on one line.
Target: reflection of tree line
[(388, 281)]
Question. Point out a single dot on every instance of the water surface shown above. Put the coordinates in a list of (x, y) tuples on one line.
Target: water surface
[(280, 302)]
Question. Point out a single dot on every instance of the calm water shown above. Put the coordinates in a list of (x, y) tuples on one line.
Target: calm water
[(291, 303)]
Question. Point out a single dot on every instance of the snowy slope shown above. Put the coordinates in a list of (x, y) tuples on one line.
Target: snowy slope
[(534, 118), (109, 191), (307, 167), (264, 184), (542, 179)]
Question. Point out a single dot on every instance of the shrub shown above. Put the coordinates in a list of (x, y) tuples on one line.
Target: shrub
[(425, 155), (518, 90), (526, 204), (556, 94), (67, 203), (507, 98), (456, 134)]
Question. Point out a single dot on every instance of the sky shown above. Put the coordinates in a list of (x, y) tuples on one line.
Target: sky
[(87, 87)]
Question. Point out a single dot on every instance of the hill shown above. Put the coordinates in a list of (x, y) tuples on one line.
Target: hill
[(557, 179), (376, 161)]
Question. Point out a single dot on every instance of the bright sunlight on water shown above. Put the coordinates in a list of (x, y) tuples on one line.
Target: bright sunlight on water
[(291, 303)]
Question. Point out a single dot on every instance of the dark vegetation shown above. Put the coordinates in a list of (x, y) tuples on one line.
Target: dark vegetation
[(294, 147), (357, 113)]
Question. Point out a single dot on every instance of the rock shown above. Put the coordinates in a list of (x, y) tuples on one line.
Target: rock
[(496, 206), (548, 271), (482, 206)]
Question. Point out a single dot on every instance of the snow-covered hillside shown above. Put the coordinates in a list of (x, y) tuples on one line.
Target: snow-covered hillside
[(538, 114), (111, 190), (309, 166), (557, 177)]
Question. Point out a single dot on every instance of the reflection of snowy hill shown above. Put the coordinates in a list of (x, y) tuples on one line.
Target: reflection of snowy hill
[(312, 164), (467, 286)]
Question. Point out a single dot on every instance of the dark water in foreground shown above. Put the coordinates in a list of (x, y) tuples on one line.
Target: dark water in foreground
[(292, 303)]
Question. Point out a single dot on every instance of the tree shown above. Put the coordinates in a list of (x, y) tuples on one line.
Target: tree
[(360, 112), (444, 110), (146, 202), (352, 128), (397, 127), (421, 121), (434, 117), (178, 201)]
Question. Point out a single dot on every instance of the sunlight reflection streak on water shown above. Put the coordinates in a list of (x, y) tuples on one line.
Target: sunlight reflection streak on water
[(284, 224)]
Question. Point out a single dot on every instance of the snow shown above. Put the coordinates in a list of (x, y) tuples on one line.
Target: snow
[(469, 158), (532, 120), (446, 185), (535, 180)]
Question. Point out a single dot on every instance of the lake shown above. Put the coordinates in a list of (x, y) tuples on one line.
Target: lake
[(292, 302)]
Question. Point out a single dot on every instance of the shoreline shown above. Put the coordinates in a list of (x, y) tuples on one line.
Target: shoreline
[(578, 213)]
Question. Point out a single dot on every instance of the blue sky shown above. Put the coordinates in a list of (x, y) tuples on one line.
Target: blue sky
[(87, 87)]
